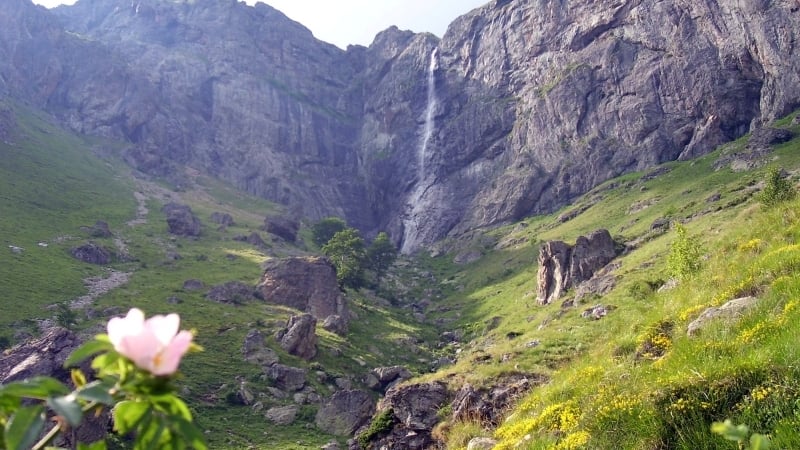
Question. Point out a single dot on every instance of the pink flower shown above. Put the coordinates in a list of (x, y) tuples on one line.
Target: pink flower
[(154, 344)]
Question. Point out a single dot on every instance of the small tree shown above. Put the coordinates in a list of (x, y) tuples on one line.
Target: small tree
[(323, 231), (347, 253), (381, 254), (684, 254), (777, 189)]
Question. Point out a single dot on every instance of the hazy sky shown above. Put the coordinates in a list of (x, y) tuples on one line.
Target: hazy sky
[(344, 22)]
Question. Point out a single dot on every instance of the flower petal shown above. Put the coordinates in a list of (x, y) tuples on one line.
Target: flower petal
[(141, 349), (119, 327), (164, 327), (171, 356)]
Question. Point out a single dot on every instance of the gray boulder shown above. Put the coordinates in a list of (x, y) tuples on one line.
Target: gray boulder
[(282, 415), (345, 412), (222, 219), (91, 253), (255, 350), (180, 220), (283, 227), (562, 266), (287, 378), (729, 311), (299, 337), (307, 284), (233, 292)]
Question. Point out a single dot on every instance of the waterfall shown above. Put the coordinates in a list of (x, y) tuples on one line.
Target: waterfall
[(416, 206), (430, 111)]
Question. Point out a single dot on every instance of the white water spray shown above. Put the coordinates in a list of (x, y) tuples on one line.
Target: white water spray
[(430, 111), (416, 204)]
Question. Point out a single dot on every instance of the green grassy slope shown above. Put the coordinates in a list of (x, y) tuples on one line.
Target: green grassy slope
[(605, 391), (52, 183)]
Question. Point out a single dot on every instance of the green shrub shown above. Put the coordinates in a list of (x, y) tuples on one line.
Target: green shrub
[(684, 254), (380, 424), (777, 190), (324, 230)]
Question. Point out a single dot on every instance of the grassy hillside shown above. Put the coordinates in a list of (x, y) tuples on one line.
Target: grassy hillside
[(634, 379)]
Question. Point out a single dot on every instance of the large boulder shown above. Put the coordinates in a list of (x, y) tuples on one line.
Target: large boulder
[(381, 378), (255, 350), (180, 220), (299, 337), (307, 284), (489, 405), (414, 412), (731, 310), (91, 253), (222, 219), (283, 227), (286, 378), (345, 412), (282, 415), (562, 266)]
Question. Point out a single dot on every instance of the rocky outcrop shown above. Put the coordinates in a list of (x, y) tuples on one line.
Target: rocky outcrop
[(180, 220), (91, 253), (415, 411), (489, 405), (345, 412), (232, 292), (382, 378), (307, 284), (287, 378), (299, 337), (255, 350), (562, 266), (45, 356), (283, 227), (100, 230), (535, 102), (282, 415), (755, 152), (731, 310)]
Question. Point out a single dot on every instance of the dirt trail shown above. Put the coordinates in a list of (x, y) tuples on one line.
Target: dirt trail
[(98, 286)]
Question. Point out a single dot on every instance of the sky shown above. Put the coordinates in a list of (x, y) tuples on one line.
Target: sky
[(344, 22)]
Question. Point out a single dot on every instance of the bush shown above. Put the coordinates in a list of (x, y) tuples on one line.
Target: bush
[(380, 424), (324, 230), (777, 190), (346, 251), (684, 254)]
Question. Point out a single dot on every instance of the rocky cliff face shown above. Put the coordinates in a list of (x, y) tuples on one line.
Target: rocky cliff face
[(519, 108)]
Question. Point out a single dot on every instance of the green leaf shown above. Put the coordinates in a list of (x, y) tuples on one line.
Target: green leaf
[(97, 391), (172, 405), (88, 349), (24, 427), (128, 414), (730, 432), (759, 442), (67, 407), (99, 445), (189, 433), (39, 388), (150, 435)]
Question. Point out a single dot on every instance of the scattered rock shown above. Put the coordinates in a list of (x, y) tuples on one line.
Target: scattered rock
[(287, 378), (282, 227), (655, 173), (193, 285), (299, 338), (669, 285), (730, 310), (173, 256), (757, 148), (714, 198), (173, 300), (282, 415), (335, 324), (223, 219), (660, 224), (100, 230), (233, 292), (562, 266), (255, 349), (91, 253), (573, 213), (333, 445), (598, 285), (345, 412), (255, 240), (305, 283), (467, 257), (180, 220), (382, 378), (16, 250), (481, 443), (596, 312)]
